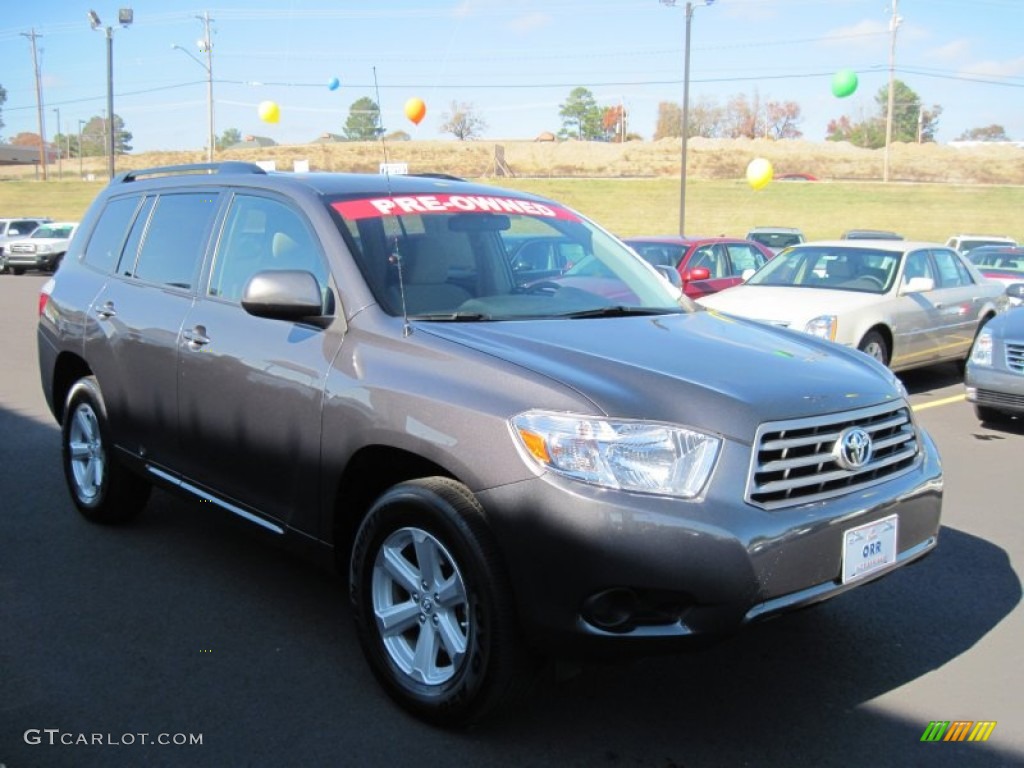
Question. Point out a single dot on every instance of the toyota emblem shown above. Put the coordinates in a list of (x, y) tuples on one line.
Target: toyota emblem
[(853, 448)]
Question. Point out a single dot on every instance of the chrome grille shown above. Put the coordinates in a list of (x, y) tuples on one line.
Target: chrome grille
[(1015, 356), (23, 248), (793, 461)]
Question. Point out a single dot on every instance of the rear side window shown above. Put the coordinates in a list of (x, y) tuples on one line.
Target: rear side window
[(175, 239), (107, 238)]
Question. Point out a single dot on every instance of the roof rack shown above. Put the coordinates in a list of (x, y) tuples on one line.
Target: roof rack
[(226, 167)]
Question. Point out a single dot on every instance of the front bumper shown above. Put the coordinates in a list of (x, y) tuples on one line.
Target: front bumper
[(995, 388), (27, 260), (671, 572)]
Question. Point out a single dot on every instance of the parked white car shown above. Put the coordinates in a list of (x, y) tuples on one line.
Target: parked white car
[(905, 303), (965, 243), (43, 249)]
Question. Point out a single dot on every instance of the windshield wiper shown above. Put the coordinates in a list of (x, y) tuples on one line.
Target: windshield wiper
[(452, 317), (618, 311)]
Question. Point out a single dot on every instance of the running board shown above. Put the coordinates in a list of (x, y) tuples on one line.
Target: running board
[(178, 483)]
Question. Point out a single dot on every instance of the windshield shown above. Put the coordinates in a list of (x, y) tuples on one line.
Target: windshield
[(776, 240), (998, 258), (52, 232), (483, 257), (865, 270)]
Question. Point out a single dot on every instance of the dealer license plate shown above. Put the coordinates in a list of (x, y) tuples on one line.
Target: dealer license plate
[(869, 548)]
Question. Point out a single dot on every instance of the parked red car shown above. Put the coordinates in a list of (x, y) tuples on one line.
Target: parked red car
[(705, 264)]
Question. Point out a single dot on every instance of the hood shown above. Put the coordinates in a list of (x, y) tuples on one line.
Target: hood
[(787, 305), (720, 374)]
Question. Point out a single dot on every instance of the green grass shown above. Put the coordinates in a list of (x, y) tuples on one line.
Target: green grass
[(821, 209), (651, 206)]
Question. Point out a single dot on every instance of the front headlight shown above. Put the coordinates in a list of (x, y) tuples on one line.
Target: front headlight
[(981, 352), (44, 248), (824, 327), (620, 454)]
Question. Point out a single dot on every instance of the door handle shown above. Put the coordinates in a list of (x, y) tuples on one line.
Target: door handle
[(106, 311), (196, 337)]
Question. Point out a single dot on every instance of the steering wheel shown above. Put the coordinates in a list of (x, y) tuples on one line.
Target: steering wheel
[(543, 287), (871, 279)]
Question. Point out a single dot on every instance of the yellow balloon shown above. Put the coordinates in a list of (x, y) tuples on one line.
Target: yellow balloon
[(269, 112), (415, 109), (759, 173)]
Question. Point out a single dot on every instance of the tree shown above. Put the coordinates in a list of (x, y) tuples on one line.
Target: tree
[(911, 122), (363, 123), (398, 135), (988, 133), (581, 117), (670, 119), (26, 139), (230, 137), (463, 123), (613, 123), (94, 137), (781, 118)]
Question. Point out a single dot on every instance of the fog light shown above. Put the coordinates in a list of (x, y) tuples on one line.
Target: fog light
[(611, 610)]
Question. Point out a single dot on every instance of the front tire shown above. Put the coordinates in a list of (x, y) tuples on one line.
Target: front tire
[(103, 490), (873, 344), (991, 415), (432, 605)]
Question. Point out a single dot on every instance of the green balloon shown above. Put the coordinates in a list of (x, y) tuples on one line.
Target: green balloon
[(844, 82)]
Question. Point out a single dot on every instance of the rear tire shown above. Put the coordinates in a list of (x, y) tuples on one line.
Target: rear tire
[(18, 270), (433, 608), (103, 490), (873, 344)]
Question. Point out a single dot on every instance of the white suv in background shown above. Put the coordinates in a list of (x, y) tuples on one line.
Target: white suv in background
[(14, 228), (43, 249), (964, 243)]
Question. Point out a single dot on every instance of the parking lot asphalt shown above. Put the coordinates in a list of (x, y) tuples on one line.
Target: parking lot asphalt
[(186, 624)]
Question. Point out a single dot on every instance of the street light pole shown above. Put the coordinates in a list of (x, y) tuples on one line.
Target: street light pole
[(81, 172), (60, 165), (206, 46), (686, 114), (894, 24), (124, 16)]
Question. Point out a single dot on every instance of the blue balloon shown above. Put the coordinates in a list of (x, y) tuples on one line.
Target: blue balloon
[(333, 83)]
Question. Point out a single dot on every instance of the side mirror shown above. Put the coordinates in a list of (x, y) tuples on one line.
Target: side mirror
[(1015, 291), (747, 274), (286, 294), (670, 273), (697, 273), (918, 285)]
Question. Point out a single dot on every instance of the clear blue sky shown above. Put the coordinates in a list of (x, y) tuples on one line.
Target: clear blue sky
[(515, 61)]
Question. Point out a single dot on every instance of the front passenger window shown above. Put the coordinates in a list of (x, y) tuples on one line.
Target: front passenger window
[(262, 234)]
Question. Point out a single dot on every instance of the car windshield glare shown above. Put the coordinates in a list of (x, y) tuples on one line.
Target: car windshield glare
[(459, 257), (864, 270)]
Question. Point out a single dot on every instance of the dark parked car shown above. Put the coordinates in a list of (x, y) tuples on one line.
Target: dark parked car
[(994, 378), (705, 264), (503, 472)]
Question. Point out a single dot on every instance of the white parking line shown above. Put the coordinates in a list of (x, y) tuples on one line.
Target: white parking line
[(943, 401)]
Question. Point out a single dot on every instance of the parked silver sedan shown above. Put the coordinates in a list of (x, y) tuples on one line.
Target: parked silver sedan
[(995, 370), (907, 304)]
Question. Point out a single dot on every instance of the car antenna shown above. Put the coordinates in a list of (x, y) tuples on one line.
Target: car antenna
[(395, 257)]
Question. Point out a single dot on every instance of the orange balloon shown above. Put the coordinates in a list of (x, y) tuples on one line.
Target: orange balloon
[(415, 109)]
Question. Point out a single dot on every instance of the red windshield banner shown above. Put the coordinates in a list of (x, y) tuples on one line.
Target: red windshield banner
[(420, 204)]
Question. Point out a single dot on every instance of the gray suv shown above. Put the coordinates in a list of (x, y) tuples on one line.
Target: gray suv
[(506, 468)]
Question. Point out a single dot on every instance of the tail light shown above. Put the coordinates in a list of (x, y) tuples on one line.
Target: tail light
[(44, 296)]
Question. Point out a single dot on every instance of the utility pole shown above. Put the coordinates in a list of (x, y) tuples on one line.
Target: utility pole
[(39, 101), (208, 48), (894, 23)]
